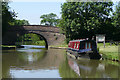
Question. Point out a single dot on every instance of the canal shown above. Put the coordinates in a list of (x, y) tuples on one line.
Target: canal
[(53, 63)]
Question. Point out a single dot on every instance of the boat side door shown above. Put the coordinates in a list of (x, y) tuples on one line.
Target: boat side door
[(82, 45)]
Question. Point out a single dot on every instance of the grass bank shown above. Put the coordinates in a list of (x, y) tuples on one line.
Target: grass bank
[(109, 52), (59, 46), (41, 43), (8, 47)]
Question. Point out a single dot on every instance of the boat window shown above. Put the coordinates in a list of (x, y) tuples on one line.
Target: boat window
[(77, 45), (89, 45), (86, 45)]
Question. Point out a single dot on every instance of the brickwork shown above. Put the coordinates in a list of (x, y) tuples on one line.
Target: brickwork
[(50, 34)]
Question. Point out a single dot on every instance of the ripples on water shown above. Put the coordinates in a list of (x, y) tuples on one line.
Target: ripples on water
[(53, 63)]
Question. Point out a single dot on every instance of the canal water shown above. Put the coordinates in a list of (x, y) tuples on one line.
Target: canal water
[(53, 63)]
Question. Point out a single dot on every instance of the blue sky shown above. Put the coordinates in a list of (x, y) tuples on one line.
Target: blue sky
[(32, 11)]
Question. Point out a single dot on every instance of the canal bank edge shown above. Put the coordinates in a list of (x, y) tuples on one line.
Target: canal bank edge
[(104, 54), (8, 47)]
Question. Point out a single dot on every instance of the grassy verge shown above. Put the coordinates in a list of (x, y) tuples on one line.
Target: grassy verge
[(57, 46), (41, 43), (109, 52), (64, 45), (7, 47)]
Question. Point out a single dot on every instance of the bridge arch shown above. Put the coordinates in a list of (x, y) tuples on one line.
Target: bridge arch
[(50, 34), (29, 32), (46, 43)]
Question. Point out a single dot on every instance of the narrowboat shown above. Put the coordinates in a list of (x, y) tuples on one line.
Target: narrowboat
[(83, 48)]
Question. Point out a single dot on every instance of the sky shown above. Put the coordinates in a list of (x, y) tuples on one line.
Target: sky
[(31, 10)]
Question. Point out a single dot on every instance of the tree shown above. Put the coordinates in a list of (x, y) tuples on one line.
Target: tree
[(7, 16), (117, 15), (84, 19), (49, 19), (116, 22), (19, 22)]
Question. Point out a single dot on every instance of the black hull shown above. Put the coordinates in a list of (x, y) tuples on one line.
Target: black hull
[(90, 54)]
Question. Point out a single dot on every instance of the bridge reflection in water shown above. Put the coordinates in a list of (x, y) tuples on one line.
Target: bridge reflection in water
[(53, 63)]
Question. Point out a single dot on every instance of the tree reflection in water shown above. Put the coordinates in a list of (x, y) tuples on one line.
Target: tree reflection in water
[(85, 68), (54, 63), (18, 60)]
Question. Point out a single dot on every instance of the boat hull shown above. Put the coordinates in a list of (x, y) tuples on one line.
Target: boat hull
[(87, 54)]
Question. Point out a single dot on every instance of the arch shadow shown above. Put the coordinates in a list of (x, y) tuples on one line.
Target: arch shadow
[(46, 43)]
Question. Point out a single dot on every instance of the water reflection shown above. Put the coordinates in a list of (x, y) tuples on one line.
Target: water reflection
[(32, 46), (88, 69), (66, 71), (34, 73), (31, 55), (23, 64), (53, 63)]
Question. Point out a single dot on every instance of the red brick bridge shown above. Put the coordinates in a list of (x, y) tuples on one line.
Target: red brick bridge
[(50, 34)]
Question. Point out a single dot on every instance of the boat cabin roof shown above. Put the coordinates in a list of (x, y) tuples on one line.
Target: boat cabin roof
[(80, 40)]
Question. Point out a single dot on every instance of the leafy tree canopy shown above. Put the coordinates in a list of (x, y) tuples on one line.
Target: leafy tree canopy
[(117, 15), (9, 18), (19, 22), (49, 19), (116, 22), (85, 19)]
